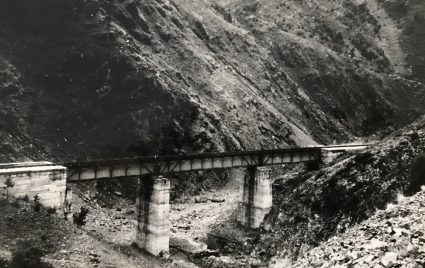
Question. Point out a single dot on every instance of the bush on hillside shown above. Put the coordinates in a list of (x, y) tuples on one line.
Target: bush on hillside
[(37, 204), (9, 184), (80, 218), (27, 257), (26, 198), (51, 210)]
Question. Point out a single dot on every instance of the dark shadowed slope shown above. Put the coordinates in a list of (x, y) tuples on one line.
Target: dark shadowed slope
[(82, 78)]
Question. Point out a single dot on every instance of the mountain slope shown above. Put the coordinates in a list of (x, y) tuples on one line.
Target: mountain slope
[(101, 78)]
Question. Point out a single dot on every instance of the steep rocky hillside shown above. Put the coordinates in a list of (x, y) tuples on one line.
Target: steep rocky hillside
[(83, 78), (313, 207), (409, 17), (392, 238)]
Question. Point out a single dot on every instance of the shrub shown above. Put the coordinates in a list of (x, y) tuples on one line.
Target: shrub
[(80, 218), (51, 210), (417, 175), (37, 204), (26, 198), (9, 184), (27, 257)]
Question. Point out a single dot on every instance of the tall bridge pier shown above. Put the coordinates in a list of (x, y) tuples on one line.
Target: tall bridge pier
[(257, 198), (153, 218)]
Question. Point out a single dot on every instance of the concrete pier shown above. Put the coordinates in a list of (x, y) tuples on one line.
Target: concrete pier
[(153, 233), (257, 197), (44, 179)]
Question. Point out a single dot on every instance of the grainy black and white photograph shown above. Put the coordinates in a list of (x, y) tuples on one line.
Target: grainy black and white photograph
[(212, 133)]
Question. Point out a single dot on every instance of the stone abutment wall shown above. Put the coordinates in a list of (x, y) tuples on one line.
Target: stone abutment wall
[(48, 182)]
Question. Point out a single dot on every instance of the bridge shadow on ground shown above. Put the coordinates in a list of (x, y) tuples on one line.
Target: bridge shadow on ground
[(21, 226)]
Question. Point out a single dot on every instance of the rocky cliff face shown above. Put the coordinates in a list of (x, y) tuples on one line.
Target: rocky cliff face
[(392, 237), (315, 207), (98, 78)]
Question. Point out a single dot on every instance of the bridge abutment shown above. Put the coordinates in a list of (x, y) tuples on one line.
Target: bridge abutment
[(153, 230), (43, 179), (257, 197)]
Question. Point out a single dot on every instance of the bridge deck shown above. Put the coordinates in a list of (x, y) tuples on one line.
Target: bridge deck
[(125, 167), (103, 169)]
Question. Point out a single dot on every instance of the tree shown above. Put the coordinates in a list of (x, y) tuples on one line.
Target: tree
[(37, 204), (9, 184), (80, 218)]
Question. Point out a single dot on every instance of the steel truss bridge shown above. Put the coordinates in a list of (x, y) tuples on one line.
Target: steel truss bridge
[(156, 165)]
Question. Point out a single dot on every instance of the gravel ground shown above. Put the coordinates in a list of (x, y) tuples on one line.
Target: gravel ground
[(393, 237)]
